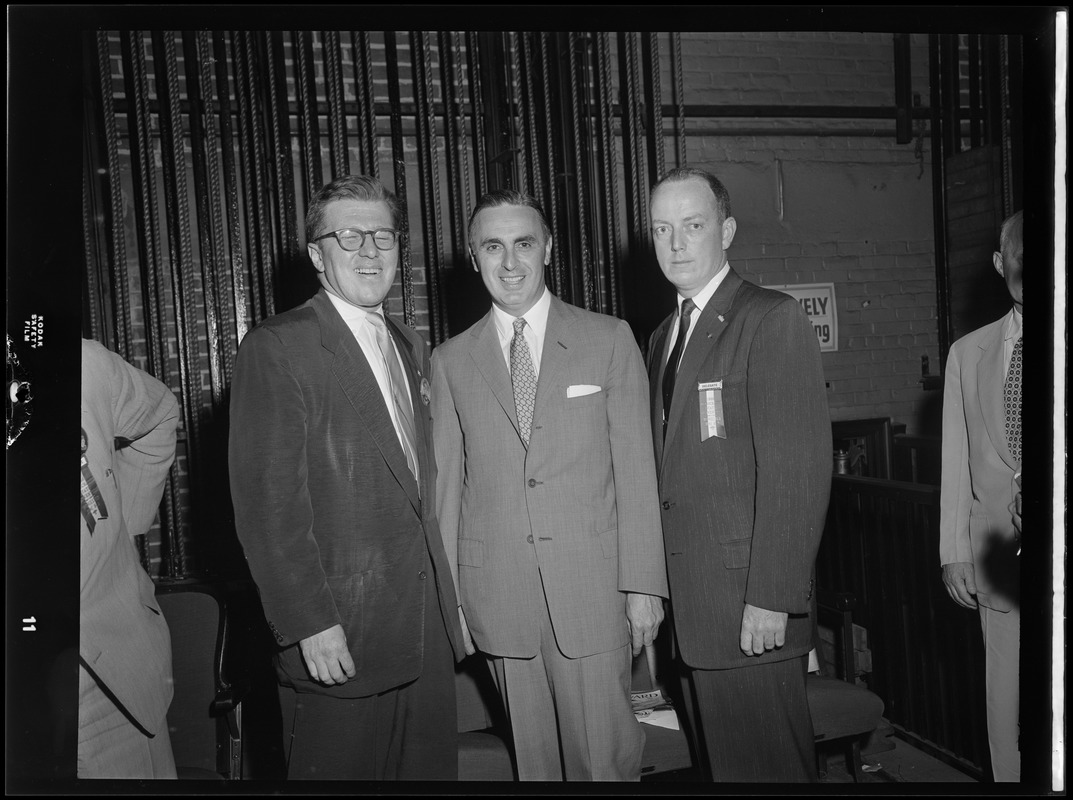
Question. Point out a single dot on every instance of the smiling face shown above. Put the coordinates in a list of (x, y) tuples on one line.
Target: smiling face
[(364, 276), (510, 249), (689, 236)]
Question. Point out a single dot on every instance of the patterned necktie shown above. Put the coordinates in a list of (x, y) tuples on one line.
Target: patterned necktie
[(523, 378), (671, 369), (1011, 399), (397, 381)]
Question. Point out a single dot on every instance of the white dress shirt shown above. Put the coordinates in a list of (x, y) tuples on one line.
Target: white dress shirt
[(1010, 334), (357, 320), (701, 299), (536, 323)]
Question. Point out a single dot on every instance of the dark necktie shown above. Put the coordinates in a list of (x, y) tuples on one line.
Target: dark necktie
[(523, 379), (671, 370), (395, 377), (1011, 399)]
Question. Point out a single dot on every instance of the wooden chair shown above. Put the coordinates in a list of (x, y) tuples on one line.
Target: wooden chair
[(843, 713), (205, 717)]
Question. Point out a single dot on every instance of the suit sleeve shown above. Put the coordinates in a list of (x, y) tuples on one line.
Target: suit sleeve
[(447, 444), (269, 489), (791, 431), (642, 566), (145, 415), (955, 493)]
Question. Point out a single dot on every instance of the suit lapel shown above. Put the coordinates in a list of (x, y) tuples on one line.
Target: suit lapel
[(488, 356), (356, 379), (990, 377), (657, 366), (554, 356), (709, 328)]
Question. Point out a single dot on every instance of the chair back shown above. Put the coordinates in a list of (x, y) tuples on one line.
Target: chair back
[(204, 717)]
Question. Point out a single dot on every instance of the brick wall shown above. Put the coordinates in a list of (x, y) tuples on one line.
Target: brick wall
[(856, 208)]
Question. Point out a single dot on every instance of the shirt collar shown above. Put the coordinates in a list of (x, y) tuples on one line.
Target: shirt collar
[(1013, 326), (353, 315), (536, 318), (702, 297)]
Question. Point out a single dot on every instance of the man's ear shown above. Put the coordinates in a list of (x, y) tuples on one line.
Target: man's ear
[(730, 227), (547, 252), (473, 261), (314, 256), (999, 267)]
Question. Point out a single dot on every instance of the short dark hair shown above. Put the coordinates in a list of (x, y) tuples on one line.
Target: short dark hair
[(509, 197), (722, 196), (1012, 230), (350, 187)]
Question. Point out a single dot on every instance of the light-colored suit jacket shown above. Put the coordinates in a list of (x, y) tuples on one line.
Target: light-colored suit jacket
[(123, 637), (333, 524), (975, 521), (574, 518), (742, 515)]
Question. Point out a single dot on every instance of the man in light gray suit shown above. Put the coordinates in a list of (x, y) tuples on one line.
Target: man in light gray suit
[(979, 513), (547, 503)]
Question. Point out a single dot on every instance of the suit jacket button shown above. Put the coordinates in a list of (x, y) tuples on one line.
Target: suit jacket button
[(532, 482), (421, 574), (666, 505), (529, 538)]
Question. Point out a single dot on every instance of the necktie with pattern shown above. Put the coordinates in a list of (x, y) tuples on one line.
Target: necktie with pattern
[(671, 369), (523, 379), (1011, 399), (397, 381)]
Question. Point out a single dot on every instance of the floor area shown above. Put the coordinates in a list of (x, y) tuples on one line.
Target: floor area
[(891, 760)]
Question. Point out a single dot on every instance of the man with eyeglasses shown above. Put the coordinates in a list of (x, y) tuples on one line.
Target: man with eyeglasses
[(332, 478)]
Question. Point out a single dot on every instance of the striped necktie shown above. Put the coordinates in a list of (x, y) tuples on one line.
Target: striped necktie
[(397, 380)]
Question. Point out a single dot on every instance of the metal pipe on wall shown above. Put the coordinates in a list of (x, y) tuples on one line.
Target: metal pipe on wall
[(398, 161), (333, 78), (237, 263)]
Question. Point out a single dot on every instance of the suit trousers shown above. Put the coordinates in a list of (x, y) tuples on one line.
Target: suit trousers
[(110, 744), (571, 717), (1002, 637), (752, 724), (406, 733)]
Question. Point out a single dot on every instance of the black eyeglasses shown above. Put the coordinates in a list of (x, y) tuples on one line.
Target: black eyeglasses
[(353, 239)]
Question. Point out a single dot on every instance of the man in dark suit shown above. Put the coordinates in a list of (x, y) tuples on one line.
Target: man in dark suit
[(332, 477), (743, 453)]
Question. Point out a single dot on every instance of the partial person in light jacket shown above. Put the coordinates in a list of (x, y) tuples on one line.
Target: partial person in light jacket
[(980, 516), (124, 674)]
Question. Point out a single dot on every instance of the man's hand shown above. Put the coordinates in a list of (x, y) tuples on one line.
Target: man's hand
[(327, 656), (761, 630), (644, 613), (467, 640), (960, 581)]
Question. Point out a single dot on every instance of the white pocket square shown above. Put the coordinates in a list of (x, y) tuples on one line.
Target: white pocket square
[(581, 389)]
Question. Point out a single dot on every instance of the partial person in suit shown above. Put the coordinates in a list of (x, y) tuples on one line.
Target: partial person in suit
[(980, 499), (332, 478), (124, 673), (743, 452), (547, 502)]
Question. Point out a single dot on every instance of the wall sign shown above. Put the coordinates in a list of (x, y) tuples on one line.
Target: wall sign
[(818, 301)]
